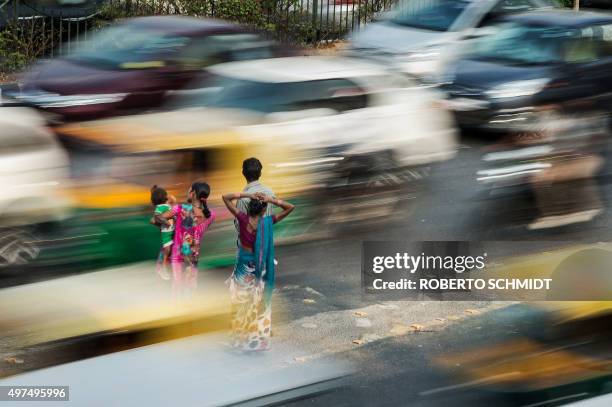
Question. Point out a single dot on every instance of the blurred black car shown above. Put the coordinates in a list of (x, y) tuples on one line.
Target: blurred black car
[(136, 65), (559, 60), (602, 4)]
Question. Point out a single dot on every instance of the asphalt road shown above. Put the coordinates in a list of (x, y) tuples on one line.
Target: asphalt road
[(451, 206), (402, 370), (327, 313), (321, 310)]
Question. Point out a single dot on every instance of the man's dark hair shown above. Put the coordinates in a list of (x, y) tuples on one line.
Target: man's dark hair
[(251, 169)]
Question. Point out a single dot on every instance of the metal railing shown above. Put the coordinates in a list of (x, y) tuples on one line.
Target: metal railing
[(41, 28)]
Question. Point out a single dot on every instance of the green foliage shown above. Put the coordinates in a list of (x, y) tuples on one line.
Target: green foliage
[(17, 49), (11, 61), (242, 11), (286, 20)]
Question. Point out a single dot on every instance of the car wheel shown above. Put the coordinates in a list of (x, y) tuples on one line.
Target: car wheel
[(17, 247), (370, 190)]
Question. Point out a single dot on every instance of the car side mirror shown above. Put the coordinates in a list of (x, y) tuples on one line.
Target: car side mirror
[(382, 15), (480, 32)]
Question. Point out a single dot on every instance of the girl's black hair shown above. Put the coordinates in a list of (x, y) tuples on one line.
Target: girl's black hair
[(202, 192), (256, 207), (158, 195)]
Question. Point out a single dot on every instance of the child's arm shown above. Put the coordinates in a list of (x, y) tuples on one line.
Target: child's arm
[(161, 219)]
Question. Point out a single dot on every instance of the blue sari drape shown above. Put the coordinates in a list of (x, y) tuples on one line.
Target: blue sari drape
[(264, 256)]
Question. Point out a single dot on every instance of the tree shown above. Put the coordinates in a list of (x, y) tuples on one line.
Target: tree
[(570, 3)]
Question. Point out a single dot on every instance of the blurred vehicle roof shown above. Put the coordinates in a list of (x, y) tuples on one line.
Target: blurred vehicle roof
[(565, 18), (150, 132), (143, 304), (48, 8), (297, 69), (183, 24)]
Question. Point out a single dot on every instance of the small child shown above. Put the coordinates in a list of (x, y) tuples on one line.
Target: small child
[(163, 218)]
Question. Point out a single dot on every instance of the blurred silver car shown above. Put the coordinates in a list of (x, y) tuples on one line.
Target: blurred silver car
[(365, 133), (315, 103), (349, 105), (419, 36)]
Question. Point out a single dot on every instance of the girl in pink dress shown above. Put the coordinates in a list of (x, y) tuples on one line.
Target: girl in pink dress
[(191, 221)]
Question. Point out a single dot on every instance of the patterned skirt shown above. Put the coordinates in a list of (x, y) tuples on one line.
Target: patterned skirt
[(251, 316)]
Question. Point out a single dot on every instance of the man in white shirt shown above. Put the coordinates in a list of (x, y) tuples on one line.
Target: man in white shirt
[(251, 169)]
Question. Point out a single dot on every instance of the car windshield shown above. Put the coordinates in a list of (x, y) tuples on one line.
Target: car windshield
[(228, 92), (337, 94), (436, 15), (528, 45), (127, 46)]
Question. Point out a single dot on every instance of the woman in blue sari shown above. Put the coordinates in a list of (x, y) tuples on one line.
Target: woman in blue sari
[(252, 282)]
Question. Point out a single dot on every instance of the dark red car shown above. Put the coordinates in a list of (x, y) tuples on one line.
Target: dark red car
[(136, 65)]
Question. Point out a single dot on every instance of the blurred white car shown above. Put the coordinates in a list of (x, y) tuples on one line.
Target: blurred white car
[(419, 37), (350, 106), (33, 168), (319, 104), (332, 127)]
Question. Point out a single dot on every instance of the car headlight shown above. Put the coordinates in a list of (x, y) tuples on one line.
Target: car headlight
[(50, 100), (517, 88), (419, 64)]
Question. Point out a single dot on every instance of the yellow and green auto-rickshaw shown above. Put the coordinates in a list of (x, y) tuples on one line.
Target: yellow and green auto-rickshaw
[(115, 163)]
